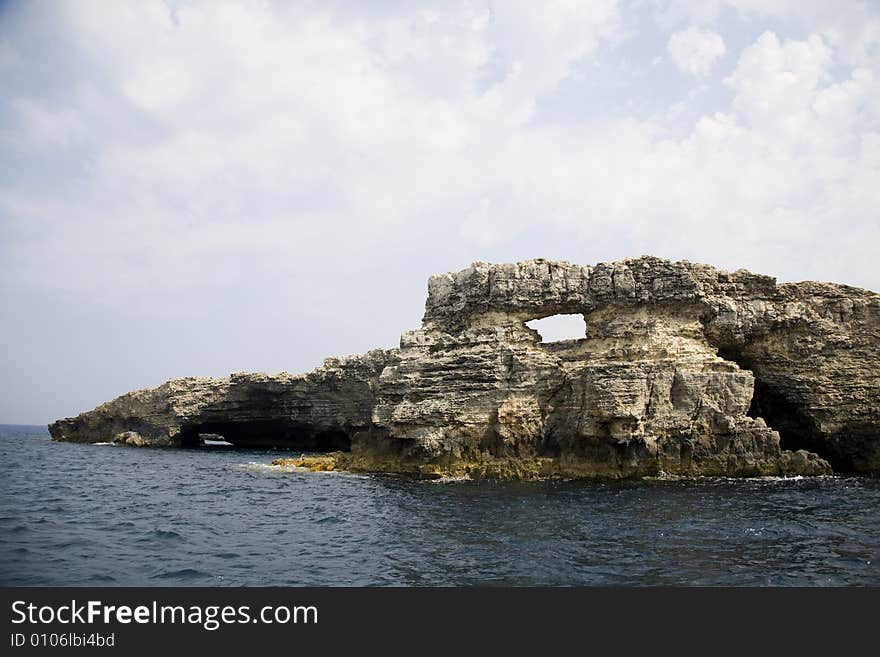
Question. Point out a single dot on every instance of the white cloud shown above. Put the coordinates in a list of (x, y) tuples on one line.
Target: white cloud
[(307, 156), (218, 126), (694, 50), (41, 126), (156, 90), (774, 81), (279, 130), (852, 27)]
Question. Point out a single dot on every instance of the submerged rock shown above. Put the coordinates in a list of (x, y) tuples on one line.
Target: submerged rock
[(683, 369), (322, 463)]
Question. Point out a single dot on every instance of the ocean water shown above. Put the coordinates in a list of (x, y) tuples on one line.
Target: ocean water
[(106, 515)]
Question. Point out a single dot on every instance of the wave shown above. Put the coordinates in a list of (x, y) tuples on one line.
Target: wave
[(265, 467), (254, 466), (183, 573), (449, 479), (663, 476)]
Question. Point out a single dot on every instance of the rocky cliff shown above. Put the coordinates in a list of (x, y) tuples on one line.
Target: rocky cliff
[(315, 411), (682, 369)]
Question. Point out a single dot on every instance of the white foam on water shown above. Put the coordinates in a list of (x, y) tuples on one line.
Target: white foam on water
[(663, 476), (265, 467), (774, 478), (449, 480), (254, 466)]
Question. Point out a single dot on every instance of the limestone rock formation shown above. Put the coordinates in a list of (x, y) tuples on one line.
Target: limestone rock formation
[(683, 369), (315, 411)]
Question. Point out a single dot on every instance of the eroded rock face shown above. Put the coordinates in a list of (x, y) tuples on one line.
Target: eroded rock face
[(681, 369), (320, 410)]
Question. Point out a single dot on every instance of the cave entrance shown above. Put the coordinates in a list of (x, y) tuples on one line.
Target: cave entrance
[(559, 328), (796, 429), (268, 433)]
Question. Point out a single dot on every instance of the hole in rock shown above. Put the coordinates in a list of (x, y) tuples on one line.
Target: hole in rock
[(558, 328), (268, 433)]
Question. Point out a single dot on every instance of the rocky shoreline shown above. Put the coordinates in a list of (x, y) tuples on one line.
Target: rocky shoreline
[(796, 463), (682, 369)]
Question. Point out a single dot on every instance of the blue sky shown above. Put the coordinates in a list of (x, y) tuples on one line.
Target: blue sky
[(197, 188)]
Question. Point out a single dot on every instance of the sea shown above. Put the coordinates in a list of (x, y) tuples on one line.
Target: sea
[(105, 515)]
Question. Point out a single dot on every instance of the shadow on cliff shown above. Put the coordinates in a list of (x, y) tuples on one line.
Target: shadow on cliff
[(797, 430)]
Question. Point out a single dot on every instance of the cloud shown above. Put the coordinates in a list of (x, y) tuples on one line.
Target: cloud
[(694, 50), (187, 134), (41, 126), (225, 183), (775, 82), (220, 125), (852, 27)]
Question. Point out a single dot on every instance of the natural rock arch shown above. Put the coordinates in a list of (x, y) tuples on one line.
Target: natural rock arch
[(663, 380)]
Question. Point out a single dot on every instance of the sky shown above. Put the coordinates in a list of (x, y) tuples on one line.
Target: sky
[(199, 188)]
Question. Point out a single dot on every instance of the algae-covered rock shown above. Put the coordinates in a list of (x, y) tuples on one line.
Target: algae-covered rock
[(323, 463)]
